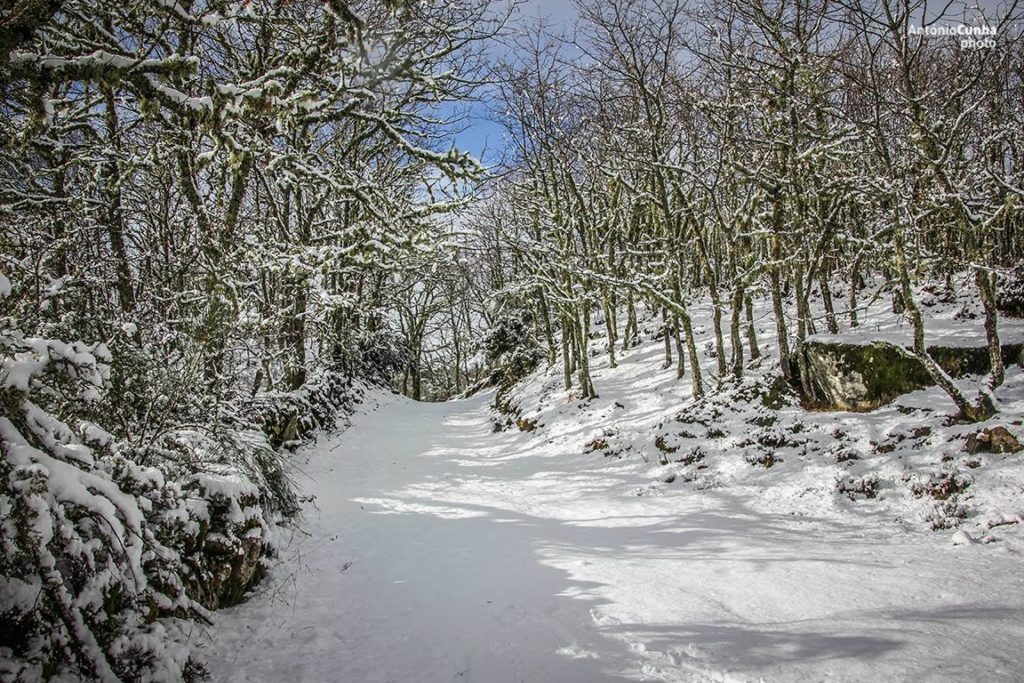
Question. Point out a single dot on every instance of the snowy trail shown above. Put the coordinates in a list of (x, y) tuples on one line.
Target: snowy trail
[(438, 551)]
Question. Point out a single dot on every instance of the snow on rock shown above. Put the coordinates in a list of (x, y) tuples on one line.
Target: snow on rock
[(961, 537)]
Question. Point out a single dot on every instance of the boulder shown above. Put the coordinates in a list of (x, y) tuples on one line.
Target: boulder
[(961, 537), (833, 375)]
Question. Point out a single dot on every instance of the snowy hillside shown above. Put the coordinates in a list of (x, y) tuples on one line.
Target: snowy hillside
[(904, 463)]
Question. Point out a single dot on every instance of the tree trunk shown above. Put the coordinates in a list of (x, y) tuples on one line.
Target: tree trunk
[(755, 352), (973, 413), (680, 355), (666, 330), (734, 331), (114, 217), (549, 334), (826, 297), (716, 318), (781, 334), (295, 323), (854, 281), (566, 367), (986, 282), (696, 378), (586, 384), (609, 324), (629, 334)]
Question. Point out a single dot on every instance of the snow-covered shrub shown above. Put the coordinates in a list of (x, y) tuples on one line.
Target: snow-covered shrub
[(858, 488), (379, 355), (947, 514), (843, 454), (942, 485), (88, 586), (510, 345), (755, 398), (765, 459), (235, 485), (110, 547), (228, 554)]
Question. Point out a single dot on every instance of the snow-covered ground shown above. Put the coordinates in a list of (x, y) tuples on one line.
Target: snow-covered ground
[(441, 543), (438, 550)]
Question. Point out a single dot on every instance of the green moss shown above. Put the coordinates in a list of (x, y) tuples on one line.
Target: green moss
[(662, 445), (857, 376), (961, 361), (843, 376)]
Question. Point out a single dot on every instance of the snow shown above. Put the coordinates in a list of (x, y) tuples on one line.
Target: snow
[(228, 485), (438, 550), (961, 537), (16, 595), (19, 368)]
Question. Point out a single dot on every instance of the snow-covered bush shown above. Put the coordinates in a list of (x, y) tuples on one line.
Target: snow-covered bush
[(510, 345), (235, 484), (380, 353), (110, 548), (88, 587)]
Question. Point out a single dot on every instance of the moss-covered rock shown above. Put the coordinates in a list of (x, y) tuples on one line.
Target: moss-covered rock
[(859, 377), (228, 553)]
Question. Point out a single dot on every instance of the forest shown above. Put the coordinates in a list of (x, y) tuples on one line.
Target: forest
[(228, 226)]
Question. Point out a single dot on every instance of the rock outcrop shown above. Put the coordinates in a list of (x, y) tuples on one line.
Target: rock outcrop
[(834, 375)]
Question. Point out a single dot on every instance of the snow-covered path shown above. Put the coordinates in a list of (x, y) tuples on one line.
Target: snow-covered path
[(436, 550)]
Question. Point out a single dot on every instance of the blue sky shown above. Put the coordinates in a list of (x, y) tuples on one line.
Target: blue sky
[(483, 137)]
